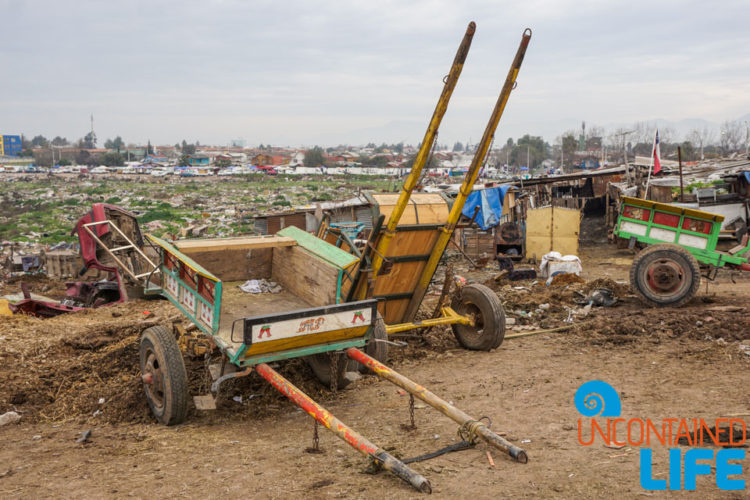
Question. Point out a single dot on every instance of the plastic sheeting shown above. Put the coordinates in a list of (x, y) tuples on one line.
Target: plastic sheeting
[(490, 203)]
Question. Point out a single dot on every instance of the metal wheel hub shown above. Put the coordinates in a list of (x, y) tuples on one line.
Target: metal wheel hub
[(153, 379), (665, 276)]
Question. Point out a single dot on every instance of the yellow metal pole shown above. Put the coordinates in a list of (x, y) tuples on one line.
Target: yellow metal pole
[(446, 232), (421, 158)]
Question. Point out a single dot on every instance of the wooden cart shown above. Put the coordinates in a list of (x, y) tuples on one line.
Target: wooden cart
[(679, 244), (329, 302), (306, 318)]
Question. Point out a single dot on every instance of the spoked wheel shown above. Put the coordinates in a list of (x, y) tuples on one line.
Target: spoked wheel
[(164, 376), (323, 368), (481, 304), (665, 275), (376, 347)]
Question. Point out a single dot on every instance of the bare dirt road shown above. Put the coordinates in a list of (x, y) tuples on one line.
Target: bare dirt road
[(664, 363)]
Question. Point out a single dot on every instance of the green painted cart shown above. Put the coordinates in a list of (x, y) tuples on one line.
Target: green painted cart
[(678, 243), (302, 315)]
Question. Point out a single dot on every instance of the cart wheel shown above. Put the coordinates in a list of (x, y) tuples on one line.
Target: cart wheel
[(375, 349), (481, 304), (665, 275), (321, 367), (164, 375)]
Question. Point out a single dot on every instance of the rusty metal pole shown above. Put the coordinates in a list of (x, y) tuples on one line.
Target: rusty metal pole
[(679, 161), (472, 425), (359, 443)]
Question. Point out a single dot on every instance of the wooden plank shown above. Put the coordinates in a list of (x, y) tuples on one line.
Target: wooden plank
[(242, 243), (424, 208), (235, 264), (236, 304), (538, 232), (566, 224), (412, 243), (393, 311), (323, 250), (305, 340), (305, 275)]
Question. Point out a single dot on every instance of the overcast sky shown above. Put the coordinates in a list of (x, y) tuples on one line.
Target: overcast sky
[(323, 72)]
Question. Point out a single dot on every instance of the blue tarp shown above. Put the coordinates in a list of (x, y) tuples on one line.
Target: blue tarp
[(747, 176), (490, 203)]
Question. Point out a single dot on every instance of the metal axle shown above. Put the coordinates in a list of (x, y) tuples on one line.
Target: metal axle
[(474, 427), (380, 457)]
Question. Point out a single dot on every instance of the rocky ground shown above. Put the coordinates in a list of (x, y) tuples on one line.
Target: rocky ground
[(80, 372)]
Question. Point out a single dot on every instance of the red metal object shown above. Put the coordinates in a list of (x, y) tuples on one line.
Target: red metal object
[(470, 426), (99, 213), (380, 457), (665, 276)]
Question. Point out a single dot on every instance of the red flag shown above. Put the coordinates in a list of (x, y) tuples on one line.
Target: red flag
[(655, 153)]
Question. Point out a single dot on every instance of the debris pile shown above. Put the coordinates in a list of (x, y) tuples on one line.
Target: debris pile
[(84, 367)]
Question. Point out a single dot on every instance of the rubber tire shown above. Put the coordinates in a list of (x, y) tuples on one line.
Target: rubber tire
[(485, 305), (377, 350), (159, 340), (321, 367), (661, 251)]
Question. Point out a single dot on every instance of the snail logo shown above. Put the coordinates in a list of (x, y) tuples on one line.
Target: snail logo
[(596, 398)]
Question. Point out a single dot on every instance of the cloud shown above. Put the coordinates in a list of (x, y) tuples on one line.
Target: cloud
[(302, 72)]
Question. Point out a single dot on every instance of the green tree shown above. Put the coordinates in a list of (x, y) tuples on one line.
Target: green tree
[(83, 157), (223, 163), (149, 148), (60, 141), (63, 162), (115, 144), (187, 149), (688, 151), (39, 141), (458, 147), (88, 141), (569, 146), (314, 157), (529, 151), (112, 159)]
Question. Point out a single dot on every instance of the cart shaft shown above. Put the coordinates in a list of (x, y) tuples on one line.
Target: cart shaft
[(422, 155), (355, 440), (472, 426), (448, 317), (446, 233)]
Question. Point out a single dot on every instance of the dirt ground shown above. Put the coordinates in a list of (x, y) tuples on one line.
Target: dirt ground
[(664, 363)]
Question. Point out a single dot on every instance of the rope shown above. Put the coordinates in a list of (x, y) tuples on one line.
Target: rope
[(468, 430)]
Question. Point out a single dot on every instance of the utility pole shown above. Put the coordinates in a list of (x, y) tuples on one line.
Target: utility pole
[(624, 135), (528, 160), (747, 139)]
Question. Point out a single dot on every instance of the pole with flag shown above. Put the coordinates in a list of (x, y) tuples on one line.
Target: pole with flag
[(655, 162)]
